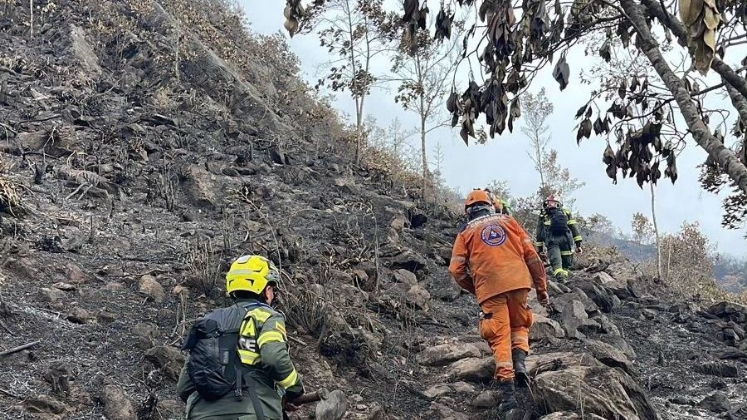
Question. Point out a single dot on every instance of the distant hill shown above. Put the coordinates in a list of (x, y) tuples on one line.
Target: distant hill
[(730, 273)]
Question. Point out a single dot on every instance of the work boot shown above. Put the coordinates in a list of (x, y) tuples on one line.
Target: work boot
[(520, 369), (509, 399)]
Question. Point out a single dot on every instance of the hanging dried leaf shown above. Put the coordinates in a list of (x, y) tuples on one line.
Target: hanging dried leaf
[(411, 9), (609, 155), (642, 174), (516, 108), (443, 25), (561, 73), (623, 89), (605, 51), (584, 130), (588, 112), (655, 172), (622, 32), (423, 17), (612, 173), (702, 19), (598, 126), (634, 84), (671, 171), (451, 102), (581, 111)]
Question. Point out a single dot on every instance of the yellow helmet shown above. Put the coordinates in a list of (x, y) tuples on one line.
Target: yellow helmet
[(251, 273)]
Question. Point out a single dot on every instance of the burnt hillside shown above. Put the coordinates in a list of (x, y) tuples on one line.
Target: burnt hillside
[(143, 145)]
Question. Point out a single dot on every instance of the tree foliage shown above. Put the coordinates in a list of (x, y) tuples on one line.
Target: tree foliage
[(537, 108), (643, 229), (647, 112)]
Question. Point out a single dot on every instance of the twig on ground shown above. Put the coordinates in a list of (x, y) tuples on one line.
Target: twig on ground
[(297, 341), (5, 327), (19, 348), (10, 394)]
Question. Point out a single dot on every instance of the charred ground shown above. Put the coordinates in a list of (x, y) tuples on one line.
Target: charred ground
[(144, 145)]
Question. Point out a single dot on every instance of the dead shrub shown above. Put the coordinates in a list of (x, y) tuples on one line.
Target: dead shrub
[(304, 310), (10, 197), (204, 268)]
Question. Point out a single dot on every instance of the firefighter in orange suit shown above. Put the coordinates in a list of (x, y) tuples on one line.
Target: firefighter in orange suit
[(494, 259)]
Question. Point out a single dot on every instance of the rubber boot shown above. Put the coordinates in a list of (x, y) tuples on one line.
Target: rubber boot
[(520, 369), (509, 399)]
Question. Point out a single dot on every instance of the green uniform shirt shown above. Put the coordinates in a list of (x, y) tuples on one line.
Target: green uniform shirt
[(270, 368), (544, 233)]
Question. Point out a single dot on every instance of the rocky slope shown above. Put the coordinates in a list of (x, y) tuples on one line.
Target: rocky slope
[(144, 163)]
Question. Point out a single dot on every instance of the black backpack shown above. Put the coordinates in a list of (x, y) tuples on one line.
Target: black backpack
[(558, 222), (214, 364)]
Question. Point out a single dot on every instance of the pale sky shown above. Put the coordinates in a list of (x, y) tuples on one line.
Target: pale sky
[(504, 157)]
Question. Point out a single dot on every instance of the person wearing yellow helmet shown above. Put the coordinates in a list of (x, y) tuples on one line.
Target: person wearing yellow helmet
[(239, 367)]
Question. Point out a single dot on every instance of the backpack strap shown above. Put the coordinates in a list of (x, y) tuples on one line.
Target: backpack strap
[(240, 371)]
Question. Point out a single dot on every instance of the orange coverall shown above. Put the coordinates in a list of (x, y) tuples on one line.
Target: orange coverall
[(494, 259)]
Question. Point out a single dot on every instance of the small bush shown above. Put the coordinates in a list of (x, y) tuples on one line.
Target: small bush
[(10, 197), (304, 310), (204, 269)]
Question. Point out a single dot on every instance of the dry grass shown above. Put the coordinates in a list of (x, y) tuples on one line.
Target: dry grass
[(304, 310), (205, 271), (10, 197)]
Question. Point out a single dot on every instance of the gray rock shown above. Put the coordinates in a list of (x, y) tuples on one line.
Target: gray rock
[(117, 405), (442, 412), (477, 370), (418, 296), (576, 321), (84, 53), (78, 316), (405, 276), (169, 359), (437, 390), (445, 354), (486, 399), (544, 328), (717, 402), (151, 288), (608, 354), (620, 397), (720, 369)]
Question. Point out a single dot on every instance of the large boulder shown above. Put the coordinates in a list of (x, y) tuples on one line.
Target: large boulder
[(538, 363), (117, 405), (604, 391), (473, 369), (618, 277), (607, 354), (730, 311), (150, 287), (442, 412), (418, 297), (603, 297), (405, 276), (545, 328), (408, 260), (169, 359), (444, 354), (199, 187), (576, 321)]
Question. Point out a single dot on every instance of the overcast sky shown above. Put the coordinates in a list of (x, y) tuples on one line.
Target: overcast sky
[(504, 157)]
